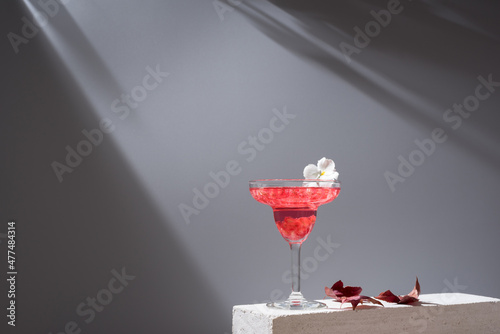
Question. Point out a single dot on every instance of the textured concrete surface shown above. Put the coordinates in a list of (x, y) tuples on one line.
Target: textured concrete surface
[(435, 313)]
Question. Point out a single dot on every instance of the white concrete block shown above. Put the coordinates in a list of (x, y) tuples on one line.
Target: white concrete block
[(435, 313)]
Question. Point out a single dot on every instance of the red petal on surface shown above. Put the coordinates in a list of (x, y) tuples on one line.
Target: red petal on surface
[(412, 296), (348, 294), (371, 300), (388, 296), (339, 285), (350, 291), (329, 292), (407, 300), (354, 300), (416, 290)]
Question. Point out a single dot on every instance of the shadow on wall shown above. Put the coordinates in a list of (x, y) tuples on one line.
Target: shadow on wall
[(410, 53), (94, 252)]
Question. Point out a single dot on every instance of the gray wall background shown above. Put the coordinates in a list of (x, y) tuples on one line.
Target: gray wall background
[(230, 65)]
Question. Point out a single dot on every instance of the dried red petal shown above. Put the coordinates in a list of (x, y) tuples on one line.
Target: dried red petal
[(339, 285), (371, 300), (348, 294), (416, 290), (407, 300), (412, 297), (388, 296), (347, 291), (329, 293), (354, 300)]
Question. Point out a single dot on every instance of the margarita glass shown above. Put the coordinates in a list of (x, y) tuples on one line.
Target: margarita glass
[(294, 203)]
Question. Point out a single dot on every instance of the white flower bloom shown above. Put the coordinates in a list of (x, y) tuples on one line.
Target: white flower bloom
[(312, 172), (325, 170)]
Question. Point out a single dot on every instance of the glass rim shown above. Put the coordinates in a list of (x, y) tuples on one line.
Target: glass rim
[(292, 181)]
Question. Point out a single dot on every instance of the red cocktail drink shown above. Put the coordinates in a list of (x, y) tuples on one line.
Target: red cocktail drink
[(295, 207), (294, 203)]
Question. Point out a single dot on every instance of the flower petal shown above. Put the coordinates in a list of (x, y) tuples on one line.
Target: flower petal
[(348, 294), (412, 297), (311, 172), (416, 290), (339, 290), (388, 296), (354, 300), (329, 176), (339, 285), (326, 165), (407, 300), (329, 292), (350, 291), (371, 300)]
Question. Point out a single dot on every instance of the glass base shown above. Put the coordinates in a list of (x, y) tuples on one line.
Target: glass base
[(296, 302)]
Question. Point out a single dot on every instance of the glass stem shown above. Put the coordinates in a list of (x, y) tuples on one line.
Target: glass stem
[(296, 299)]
